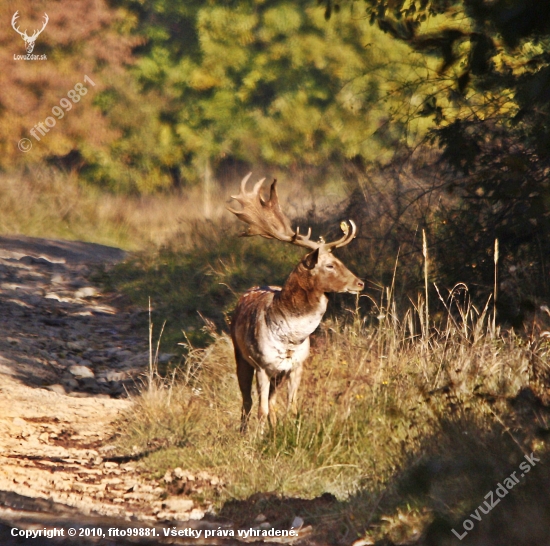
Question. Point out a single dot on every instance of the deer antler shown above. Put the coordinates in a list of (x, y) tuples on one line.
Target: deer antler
[(347, 238), (24, 34), (29, 40), (264, 218), (13, 21), (37, 32), (267, 219)]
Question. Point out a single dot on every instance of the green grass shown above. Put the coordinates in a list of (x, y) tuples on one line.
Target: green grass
[(409, 426)]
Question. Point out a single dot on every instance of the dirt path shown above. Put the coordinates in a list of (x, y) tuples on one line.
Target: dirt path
[(68, 355)]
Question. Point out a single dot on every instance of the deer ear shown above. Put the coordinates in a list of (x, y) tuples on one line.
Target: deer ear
[(310, 261)]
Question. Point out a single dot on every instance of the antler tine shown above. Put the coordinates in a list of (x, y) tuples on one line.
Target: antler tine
[(266, 218), (273, 197), (13, 22), (243, 188), (37, 32), (347, 238), (303, 236), (257, 188), (304, 241), (244, 181)]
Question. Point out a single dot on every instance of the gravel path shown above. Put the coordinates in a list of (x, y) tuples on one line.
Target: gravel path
[(68, 357)]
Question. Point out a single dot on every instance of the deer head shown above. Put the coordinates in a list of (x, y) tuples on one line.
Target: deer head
[(29, 40), (320, 269)]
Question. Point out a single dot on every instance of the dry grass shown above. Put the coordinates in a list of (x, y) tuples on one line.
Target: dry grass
[(409, 419), (376, 404), (46, 202)]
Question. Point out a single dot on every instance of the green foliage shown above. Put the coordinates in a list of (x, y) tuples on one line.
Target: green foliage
[(140, 159), (492, 58), (182, 84), (30, 89), (494, 62), (266, 82), (504, 196), (112, 133), (486, 96)]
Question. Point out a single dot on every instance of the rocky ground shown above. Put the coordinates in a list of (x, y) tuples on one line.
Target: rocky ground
[(69, 356)]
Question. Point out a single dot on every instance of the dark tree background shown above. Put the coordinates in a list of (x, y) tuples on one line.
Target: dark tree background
[(489, 101)]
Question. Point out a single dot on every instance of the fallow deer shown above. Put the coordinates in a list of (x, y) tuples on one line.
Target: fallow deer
[(271, 326)]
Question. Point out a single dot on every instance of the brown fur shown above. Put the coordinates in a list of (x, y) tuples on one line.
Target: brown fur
[(271, 328), (271, 325)]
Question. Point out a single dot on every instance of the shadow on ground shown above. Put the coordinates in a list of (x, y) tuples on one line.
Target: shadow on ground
[(58, 329), (488, 479)]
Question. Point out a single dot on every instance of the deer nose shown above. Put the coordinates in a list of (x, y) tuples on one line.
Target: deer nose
[(360, 285)]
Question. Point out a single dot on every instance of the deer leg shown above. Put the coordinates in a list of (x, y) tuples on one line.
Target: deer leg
[(245, 376), (264, 386), (275, 383), (272, 403), (295, 376)]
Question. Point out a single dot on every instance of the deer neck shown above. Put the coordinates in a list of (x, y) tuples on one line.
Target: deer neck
[(298, 308)]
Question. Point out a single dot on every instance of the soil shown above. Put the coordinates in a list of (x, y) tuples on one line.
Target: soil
[(69, 358)]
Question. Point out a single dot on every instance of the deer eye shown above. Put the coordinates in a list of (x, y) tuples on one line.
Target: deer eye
[(329, 266)]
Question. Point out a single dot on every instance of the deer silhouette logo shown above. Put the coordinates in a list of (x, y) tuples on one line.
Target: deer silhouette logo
[(29, 40)]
